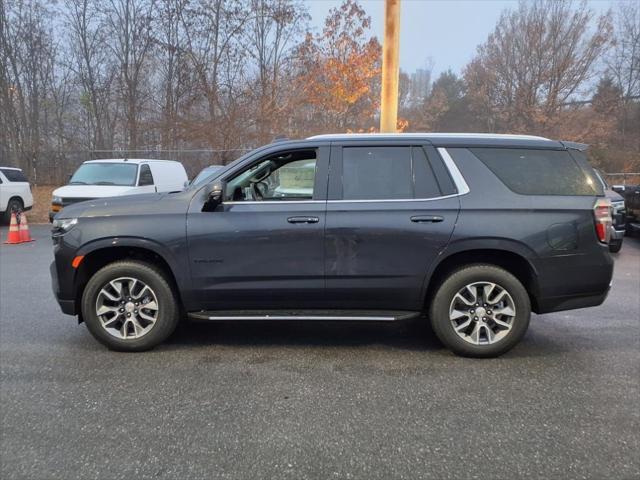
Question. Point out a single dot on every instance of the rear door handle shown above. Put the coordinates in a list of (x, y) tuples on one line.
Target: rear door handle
[(303, 219), (427, 218)]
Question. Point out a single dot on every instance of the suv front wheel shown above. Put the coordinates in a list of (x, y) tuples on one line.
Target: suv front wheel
[(480, 311), (130, 306)]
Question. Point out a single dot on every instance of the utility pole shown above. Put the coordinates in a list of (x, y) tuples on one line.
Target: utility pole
[(390, 67)]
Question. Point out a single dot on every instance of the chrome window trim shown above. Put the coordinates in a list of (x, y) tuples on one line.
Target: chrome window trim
[(382, 200), (385, 200), (456, 175), (270, 202)]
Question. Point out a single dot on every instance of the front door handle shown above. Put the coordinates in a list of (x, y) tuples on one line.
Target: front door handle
[(427, 218), (303, 219)]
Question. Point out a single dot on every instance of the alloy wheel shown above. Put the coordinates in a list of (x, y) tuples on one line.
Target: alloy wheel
[(482, 313), (127, 308)]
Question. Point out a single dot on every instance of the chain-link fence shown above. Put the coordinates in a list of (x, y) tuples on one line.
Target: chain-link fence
[(631, 178), (54, 168)]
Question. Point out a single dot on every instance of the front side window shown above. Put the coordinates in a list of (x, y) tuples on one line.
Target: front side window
[(284, 176), (382, 173), (146, 177), (105, 173)]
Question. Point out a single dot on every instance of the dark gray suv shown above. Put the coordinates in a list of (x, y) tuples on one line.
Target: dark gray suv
[(474, 231)]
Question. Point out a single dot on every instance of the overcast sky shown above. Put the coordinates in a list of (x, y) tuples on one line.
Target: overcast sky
[(447, 31)]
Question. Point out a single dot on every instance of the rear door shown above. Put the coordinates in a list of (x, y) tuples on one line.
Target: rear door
[(391, 210)]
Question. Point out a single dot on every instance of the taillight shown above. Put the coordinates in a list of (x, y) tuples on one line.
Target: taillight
[(602, 219)]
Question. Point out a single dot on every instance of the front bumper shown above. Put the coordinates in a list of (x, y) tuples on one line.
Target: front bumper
[(67, 306)]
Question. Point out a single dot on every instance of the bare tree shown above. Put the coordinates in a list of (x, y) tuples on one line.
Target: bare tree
[(173, 69), (93, 66), (624, 63), (27, 49), (536, 59), (271, 36), (128, 24), (212, 29)]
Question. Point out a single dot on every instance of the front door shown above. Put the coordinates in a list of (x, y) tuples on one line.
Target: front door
[(262, 248), (390, 213)]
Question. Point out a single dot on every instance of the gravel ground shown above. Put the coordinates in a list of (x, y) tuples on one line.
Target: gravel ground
[(294, 400)]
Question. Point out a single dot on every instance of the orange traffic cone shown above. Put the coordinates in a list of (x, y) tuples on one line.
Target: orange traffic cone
[(14, 232), (25, 235)]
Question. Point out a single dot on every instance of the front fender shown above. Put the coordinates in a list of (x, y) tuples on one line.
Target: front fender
[(175, 264)]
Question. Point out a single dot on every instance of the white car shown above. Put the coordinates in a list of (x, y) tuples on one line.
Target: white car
[(15, 192), (117, 177)]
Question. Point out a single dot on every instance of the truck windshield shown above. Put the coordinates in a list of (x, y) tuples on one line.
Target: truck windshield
[(105, 174)]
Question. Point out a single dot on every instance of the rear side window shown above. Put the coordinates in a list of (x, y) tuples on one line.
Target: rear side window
[(383, 173), (537, 172), (14, 175)]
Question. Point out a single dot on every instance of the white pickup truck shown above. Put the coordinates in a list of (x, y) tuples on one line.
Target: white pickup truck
[(15, 192)]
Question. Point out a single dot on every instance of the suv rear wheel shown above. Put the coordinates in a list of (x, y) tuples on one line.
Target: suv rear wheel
[(480, 311), (129, 306)]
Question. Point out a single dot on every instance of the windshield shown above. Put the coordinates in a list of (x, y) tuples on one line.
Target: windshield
[(205, 174), (105, 174)]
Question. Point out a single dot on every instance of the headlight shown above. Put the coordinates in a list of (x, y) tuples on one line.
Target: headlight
[(56, 199), (63, 225)]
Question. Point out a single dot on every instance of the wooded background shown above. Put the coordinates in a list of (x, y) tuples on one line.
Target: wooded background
[(202, 81)]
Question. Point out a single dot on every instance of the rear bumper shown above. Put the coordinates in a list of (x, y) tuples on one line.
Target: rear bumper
[(566, 282), (557, 304)]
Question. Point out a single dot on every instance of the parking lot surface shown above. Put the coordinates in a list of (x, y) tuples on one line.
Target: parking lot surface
[(295, 400)]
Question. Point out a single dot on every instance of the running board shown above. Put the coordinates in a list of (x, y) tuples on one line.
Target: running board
[(320, 315)]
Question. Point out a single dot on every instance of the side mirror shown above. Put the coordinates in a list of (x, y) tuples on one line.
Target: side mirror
[(215, 195)]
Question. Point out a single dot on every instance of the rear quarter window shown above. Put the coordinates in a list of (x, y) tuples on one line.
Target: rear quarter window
[(14, 175), (537, 172)]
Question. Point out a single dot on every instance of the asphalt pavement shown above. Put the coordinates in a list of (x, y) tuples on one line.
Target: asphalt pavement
[(318, 401)]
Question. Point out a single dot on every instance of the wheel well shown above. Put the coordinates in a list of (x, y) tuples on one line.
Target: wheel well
[(95, 260), (15, 197), (515, 264)]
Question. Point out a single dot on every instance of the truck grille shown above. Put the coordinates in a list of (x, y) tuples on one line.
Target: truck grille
[(70, 200)]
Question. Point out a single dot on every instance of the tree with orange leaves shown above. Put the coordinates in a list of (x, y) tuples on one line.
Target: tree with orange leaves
[(339, 71)]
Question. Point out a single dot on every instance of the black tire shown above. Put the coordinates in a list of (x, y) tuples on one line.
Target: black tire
[(444, 295), (13, 205), (168, 307), (615, 247)]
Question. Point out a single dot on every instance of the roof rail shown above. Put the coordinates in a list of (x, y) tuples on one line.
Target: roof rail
[(432, 135)]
